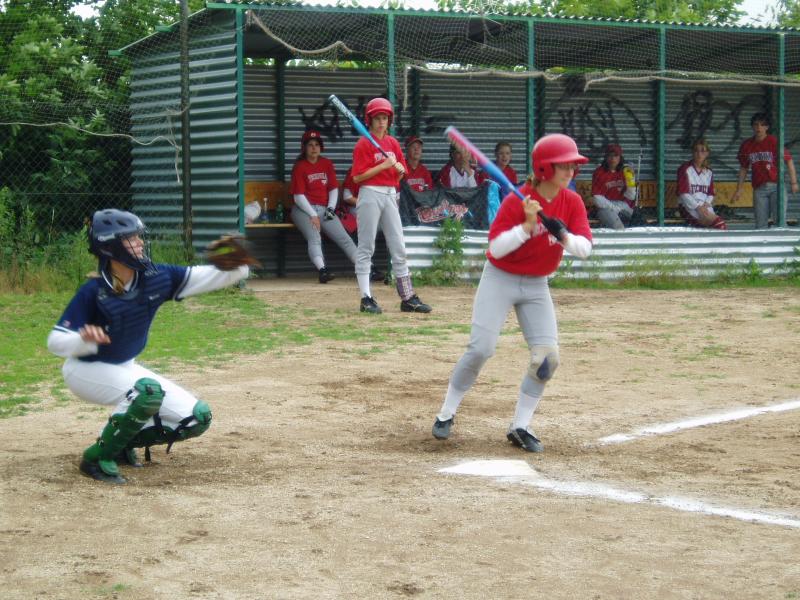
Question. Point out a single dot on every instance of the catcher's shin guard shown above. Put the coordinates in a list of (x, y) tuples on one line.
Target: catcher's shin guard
[(146, 398), (161, 434)]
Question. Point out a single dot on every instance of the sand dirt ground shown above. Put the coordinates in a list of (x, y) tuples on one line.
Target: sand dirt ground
[(319, 477)]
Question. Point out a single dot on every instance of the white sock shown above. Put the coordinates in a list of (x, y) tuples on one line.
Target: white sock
[(363, 283), (526, 406), (319, 262), (451, 402)]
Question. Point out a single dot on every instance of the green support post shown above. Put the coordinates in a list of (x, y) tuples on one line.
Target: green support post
[(781, 132), (280, 111), (662, 118), (390, 65), (531, 87), (240, 111)]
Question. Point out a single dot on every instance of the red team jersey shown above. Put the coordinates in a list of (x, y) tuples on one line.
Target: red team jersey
[(760, 157), (507, 170), (610, 184), (314, 181), (366, 156), (419, 179), (541, 254), (698, 184)]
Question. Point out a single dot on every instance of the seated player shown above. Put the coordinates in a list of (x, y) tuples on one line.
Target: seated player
[(458, 172), (502, 156), (614, 189), (418, 177), (696, 189)]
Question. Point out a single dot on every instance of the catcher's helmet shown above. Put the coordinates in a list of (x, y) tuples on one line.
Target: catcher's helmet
[(309, 135), (378, 106), (108, 235), (552, 149)]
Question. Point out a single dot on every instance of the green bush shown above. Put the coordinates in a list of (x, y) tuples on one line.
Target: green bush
[(448, 264)]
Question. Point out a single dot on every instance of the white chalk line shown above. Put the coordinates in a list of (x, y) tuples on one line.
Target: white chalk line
[(732, 415), (520, 472)]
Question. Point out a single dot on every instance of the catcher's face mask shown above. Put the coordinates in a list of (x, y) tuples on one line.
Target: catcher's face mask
[(119, 235)]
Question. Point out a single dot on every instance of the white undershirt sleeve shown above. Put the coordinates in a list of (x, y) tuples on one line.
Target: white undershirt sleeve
[(333, 198), (207, 278), (302, 202), (67, 343), (508, 241), (689, 201), (577, 245)]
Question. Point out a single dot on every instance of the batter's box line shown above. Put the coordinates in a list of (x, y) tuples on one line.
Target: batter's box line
[(520, 472), (724, 417)]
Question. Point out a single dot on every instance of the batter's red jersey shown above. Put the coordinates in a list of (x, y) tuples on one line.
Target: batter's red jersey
[(610, 184), (760, 157), (314, 181), (349, 184), (507, 170), (366, 156), (541, 254), (419, 179)]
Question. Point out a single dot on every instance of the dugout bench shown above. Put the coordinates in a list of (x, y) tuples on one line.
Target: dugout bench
[(282, 249)]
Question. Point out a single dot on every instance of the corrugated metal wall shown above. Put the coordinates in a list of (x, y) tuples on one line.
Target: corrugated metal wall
[(688, 252), (155, 111), (260, 124), (618, 112)]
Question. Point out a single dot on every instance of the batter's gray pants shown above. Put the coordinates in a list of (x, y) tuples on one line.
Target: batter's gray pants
[(497, 293), (379, 209), (333, 229), (765, 204)]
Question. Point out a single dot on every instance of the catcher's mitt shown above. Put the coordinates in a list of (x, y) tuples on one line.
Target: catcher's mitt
[(230, 252)]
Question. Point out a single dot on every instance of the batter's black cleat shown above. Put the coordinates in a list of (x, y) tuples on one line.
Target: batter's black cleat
[(325, 276), (522, 438), (375, 275), (441, 429), (414, 304), (93, 470), (368, 305)]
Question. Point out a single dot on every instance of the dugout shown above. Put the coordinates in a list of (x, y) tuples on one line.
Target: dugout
[(259, 75)]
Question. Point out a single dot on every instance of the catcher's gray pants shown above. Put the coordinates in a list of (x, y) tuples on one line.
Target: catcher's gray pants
[(765, 204), (497, 293), (377, 206), (333, 229)]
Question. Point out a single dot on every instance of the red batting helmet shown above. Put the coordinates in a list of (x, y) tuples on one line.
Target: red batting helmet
[(554, 149), (312, 135), (377, 106)]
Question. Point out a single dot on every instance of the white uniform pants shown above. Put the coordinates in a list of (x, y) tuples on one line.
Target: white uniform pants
[(333, 229), (377, 207)]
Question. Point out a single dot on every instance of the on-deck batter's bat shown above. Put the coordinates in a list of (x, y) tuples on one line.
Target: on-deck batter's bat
[(360, 127), (553, 225), (487, 165)]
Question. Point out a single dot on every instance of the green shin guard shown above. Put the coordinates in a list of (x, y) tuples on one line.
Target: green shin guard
[(122, 428), (161, 434)]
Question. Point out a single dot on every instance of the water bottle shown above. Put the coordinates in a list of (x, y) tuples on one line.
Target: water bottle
[(264, 217), (279, 212)]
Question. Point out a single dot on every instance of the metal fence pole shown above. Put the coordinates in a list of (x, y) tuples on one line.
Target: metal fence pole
[(186, 167)]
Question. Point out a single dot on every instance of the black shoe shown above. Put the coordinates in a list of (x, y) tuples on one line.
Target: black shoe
[(375, 275), (414, 304), (369, 305), (441, 429), (522, 438), (94, 471), (325, 276)]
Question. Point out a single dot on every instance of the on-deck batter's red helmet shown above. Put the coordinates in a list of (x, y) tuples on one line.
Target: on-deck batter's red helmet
[(377, 106), (554, 149), (312, 135)]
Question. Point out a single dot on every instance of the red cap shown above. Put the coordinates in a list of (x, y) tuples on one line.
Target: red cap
[(413, 139), (309, 135), (614, 149)]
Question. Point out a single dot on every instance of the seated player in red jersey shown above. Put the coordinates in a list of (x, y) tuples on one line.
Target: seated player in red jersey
[(502, 156), (696, 189), (614, 189), (418, 176)]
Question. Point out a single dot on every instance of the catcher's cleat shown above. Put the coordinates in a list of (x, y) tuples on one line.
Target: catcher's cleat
[(375, 275), (441, 429), (93, 470), (368, 305), (414, 304), (128, 457), (325, 276), (522, 438)]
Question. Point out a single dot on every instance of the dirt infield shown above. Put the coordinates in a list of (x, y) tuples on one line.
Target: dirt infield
[(319, 477)]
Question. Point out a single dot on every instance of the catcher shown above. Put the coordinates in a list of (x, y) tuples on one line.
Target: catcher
[(105, 326)]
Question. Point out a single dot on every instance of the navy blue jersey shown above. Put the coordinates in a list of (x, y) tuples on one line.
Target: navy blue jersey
[(126, 317)]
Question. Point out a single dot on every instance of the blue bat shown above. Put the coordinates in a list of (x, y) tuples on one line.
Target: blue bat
[(359, 126)]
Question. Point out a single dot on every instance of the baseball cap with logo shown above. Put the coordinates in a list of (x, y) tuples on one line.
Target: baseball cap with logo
[(413, 139), (309, 135), (614, 149)]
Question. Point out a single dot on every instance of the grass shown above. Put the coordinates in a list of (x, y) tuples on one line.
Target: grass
[(234, 323)]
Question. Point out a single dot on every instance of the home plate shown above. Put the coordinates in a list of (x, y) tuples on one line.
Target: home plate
[(518, 471)]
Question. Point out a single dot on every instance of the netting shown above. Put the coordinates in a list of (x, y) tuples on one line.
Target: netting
[(81, 130)]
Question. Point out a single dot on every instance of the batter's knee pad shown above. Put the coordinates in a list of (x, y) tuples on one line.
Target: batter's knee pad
[(544, 362)]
